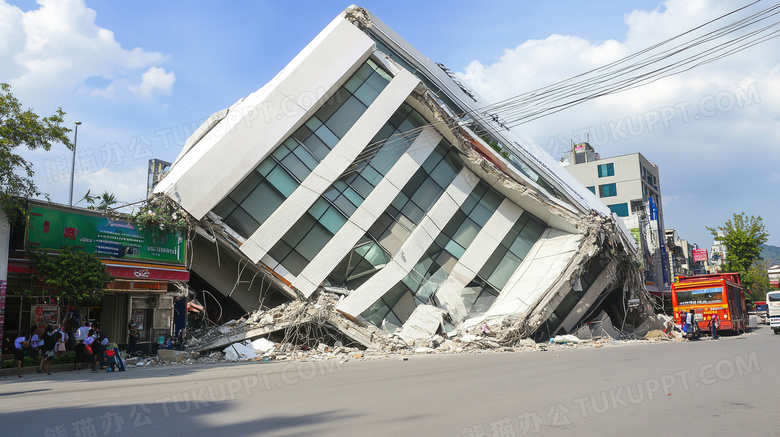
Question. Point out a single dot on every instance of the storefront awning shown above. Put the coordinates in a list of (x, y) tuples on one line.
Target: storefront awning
[(121, 270), (132, 270)]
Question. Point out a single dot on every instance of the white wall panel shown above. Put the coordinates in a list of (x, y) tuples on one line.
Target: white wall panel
[(253, 127)]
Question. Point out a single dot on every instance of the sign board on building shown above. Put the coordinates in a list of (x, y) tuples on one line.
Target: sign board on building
[(55, 228), (700, 255), (43, 315)]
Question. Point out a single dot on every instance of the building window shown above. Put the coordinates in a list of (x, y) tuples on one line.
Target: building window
[(312, 232), (388, 233), (606, 170), (621, 209), (607, 190), (592, 189), (264, 190)]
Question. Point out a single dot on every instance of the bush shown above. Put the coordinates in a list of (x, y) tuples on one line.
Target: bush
[(65, 358)]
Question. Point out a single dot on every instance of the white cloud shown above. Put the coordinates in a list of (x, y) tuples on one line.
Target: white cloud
[(58, 46), (724, 128), (125, 184), (155, 81)]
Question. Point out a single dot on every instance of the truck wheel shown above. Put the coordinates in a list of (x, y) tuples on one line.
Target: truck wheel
[(777, 331)]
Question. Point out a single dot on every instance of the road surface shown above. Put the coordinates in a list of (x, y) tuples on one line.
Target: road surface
[(702, 388)]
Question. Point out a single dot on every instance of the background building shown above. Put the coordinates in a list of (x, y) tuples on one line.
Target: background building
[(629, 186), (145, 262)]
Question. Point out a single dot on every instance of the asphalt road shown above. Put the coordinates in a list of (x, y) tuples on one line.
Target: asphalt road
[(690, 388)]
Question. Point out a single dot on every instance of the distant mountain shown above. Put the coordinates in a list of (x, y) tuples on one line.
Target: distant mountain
[(771, 254)]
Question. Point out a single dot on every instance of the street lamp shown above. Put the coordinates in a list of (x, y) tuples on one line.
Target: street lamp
[(73, 164)]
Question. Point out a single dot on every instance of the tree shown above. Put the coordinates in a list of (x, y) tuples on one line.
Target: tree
[(107, 200), (741, 237), (22, 127), (76, 277)]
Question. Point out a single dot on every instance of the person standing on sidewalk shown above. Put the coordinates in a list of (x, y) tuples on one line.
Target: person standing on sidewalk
[(34, 341), (714, 325), (19, 345), (47, 350), (89, 349), (132, 337)]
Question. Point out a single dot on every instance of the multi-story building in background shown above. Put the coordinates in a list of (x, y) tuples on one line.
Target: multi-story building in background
[(680, 255), (629, 186)]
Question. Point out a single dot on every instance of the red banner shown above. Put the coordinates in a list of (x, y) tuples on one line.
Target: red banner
[(700, 255)]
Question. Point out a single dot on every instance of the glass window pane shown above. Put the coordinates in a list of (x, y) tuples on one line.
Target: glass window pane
[(454, 223), (294, 263), (413, 213), (281, 152), (521, 247), (353, 196), (282, 181), (313, 242), (483, 303), (427, 194), (296, 167), (302, 134), (333, 220), (327, 136), (262, 202), (225, 207), (434, 158), (481, 213), (492, 262), (456, 250), (347, 207), (332, 104), (376, 256), (317, 148), (466, 233), (266, 166), (313, 123), (371, 88), (443, 174), (298, 230), (346, 116), (245, 187), (309, 161), (533, 230), (279, 251), (318, 208), (242, 223), (492, 199), (362, 186), (504, 271)]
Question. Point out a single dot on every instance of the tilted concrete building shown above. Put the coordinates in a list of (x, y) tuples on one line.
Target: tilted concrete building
[(365, 168)]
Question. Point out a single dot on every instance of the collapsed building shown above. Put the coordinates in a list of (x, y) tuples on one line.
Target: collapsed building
[(368, 172)]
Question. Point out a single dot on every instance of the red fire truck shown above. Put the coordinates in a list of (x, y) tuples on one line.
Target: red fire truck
[(720, 294)]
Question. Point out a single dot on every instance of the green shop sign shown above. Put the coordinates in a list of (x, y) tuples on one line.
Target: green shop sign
[(53, 228)]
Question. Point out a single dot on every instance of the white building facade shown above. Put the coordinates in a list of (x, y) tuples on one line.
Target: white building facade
[(363, 167), (629, 186)]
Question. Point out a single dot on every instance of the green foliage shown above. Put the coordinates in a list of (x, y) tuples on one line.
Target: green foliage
[(66, 358), (106, 200), (758, 282), (742, 236), (161, 212), (22, 127), (71, 276)]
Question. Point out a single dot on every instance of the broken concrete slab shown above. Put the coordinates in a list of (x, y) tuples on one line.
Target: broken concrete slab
[(424, 323)]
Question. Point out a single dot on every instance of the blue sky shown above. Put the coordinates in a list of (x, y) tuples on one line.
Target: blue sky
[(141, 76)]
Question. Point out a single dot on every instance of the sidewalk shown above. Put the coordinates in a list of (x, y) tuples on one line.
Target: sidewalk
[(59, 368)]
